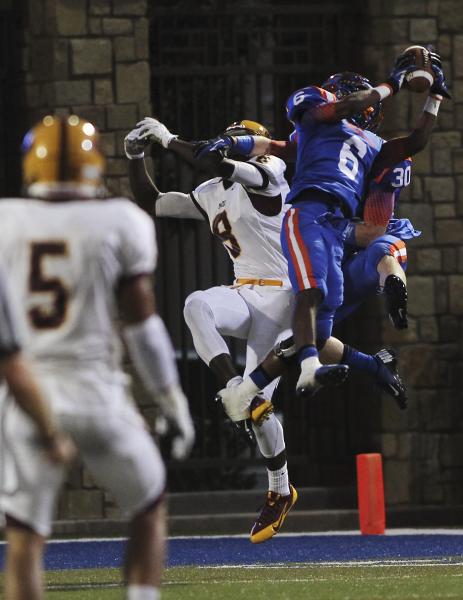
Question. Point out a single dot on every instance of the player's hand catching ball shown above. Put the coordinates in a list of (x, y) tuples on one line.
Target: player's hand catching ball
[(439, 86), (404, 63)]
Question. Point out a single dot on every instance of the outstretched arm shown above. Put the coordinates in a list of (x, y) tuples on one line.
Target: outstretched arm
[(398, 149)]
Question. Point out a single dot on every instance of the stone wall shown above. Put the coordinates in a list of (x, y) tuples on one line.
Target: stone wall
[(89, 57), (423, 448)]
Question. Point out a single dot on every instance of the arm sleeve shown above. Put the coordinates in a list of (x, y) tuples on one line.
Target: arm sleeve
[(248, 175), (271, 170), (138, 249), (176, 205), (9, 338)]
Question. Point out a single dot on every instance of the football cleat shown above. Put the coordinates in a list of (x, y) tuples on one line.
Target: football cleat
[(261, 409), (272, 515), (395, 292), (388, 378), (326, 375)]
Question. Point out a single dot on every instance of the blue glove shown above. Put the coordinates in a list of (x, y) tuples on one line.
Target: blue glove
[(221, 143), (404, 63), (225, 144), (439, 86)]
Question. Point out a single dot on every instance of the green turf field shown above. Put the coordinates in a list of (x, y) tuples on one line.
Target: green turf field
[(295, 582)]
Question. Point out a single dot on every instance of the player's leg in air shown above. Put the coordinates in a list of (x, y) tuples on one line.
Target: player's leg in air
[(314, 254), (393, 284), (220, 311), (361, 280)]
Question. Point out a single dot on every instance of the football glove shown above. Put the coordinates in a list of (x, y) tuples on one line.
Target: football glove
[(174, 407), (154, 131), (221, 144), (439, 86), (134, 146), (224, 144), (235, 403), (404, 63)]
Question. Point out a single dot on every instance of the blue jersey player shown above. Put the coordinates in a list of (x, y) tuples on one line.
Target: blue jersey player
[(364, 232)]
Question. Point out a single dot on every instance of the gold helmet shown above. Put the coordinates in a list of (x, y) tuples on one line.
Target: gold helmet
[(247, 128), (61, 159)]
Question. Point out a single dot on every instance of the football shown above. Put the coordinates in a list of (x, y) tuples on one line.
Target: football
[(422, 77)]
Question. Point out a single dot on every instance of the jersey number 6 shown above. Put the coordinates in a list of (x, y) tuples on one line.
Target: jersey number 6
[(52, 316), (348, 162)]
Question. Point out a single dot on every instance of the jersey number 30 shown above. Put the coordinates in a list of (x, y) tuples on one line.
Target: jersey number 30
[(348, 161), (54, 314)]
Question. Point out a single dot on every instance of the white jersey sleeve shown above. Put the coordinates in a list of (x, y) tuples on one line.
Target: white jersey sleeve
[(272, 170), (177, 205), (138, 250)]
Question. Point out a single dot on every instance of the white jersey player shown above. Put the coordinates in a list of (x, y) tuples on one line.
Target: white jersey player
[(244, 209), (72, 261)]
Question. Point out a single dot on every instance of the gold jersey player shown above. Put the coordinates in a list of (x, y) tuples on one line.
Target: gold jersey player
[(72, 262)]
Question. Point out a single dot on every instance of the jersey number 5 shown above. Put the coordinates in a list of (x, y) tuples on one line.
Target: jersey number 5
[(222, 229), (348, 162), (53, 315)]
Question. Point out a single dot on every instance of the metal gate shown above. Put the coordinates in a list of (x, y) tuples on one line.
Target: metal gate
[(214, 62)]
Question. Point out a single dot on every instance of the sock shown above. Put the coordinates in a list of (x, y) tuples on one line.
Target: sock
[(308, 367), (309, 351), (359, 361), (278, 480), (142, 592)]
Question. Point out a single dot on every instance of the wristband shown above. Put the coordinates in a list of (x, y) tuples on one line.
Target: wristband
[(243, 144), (384, 90), (432, 104)]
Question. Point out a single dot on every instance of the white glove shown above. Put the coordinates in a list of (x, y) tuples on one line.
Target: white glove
[(134, 146), (236, 400), (154, 131), (174, 405)]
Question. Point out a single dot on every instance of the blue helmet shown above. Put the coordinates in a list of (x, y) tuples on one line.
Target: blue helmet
[(341, 84)]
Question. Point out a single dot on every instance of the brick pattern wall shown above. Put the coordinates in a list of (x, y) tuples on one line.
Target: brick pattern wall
[(423, 448), (90, 57)]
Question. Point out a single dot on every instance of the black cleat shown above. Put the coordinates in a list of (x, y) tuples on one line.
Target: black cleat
[(395, 292), (388, 378), (327, 375)]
